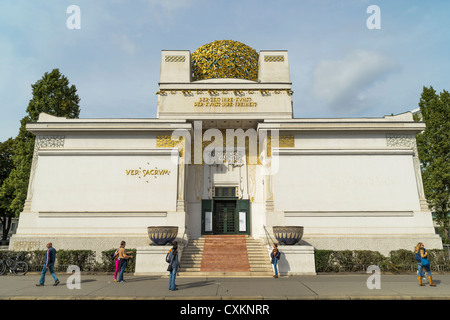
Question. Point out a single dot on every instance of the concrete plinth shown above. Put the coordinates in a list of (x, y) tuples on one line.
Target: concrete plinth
[(296, 260), (151, 260)]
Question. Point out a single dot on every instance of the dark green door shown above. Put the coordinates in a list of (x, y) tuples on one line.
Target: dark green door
[(225, 218)]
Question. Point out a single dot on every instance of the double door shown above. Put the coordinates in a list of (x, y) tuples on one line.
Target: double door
[(225, 216)]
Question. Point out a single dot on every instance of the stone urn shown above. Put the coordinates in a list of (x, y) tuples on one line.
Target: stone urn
[(162, 235), (288, 235)]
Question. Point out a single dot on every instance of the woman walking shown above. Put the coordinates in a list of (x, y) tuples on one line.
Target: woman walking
[(123, 257), (423, 263), (117, 264), (174, 264), (275, 256)]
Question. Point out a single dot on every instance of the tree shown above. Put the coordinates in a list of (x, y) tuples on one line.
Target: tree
[(434, 153), (6, 166), (52, 95)]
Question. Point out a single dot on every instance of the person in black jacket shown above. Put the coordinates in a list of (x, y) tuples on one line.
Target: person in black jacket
[(50, 258), (174, 264)]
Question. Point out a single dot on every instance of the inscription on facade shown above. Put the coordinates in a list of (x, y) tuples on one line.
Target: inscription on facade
[(147, 172), (225, 102)]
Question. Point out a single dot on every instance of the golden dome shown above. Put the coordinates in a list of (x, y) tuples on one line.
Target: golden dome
[(224, 59)]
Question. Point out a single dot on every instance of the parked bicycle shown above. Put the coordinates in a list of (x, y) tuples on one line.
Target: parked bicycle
[(15, 266)]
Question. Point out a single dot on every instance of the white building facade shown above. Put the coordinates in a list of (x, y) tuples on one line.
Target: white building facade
[(351, 183)]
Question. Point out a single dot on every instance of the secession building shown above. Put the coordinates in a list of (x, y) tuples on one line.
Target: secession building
[(352, 183)]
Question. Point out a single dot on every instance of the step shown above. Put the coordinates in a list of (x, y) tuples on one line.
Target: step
[(225, 255)]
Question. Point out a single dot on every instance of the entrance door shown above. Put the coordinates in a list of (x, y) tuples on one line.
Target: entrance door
[(224, 219), (225, 216)]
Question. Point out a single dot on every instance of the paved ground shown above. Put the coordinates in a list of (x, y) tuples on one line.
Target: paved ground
[(227, 298), (319, 287)]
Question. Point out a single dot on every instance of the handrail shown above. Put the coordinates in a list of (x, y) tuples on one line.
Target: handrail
[(182, 238), (268, 234)]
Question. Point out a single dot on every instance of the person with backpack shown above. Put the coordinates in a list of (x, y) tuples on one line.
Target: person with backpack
[(174, 264), (275, 257), (123, 257), (423, 263)]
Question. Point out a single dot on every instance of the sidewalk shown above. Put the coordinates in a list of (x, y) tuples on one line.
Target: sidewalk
[(319, 287)]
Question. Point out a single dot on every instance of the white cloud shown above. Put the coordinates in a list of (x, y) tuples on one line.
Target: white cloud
[(344, 85)]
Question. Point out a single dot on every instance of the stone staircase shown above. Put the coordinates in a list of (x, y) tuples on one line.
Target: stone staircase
[(225, 255)]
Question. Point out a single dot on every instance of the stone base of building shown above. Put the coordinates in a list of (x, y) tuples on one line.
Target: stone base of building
[(384, 244)]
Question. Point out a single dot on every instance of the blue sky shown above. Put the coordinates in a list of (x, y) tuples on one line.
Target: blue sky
[(339, 67)]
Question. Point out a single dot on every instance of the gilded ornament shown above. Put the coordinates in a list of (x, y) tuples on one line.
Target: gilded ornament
[(224, 59)]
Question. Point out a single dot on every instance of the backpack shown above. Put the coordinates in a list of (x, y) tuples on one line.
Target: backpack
[(113, 255)]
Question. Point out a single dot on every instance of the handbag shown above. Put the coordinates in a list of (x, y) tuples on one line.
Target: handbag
[(169, 268), (425, 262)]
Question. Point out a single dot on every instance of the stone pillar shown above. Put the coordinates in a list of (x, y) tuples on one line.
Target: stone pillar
[(40, 142), (409, 141)]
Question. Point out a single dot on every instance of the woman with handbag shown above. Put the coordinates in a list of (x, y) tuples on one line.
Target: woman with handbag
[(174, 264), (423, 263)]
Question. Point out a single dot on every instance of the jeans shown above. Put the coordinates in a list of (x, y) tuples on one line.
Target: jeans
[(420, 269), (275, 266), (123, 265), (44, 271), (172, 276)]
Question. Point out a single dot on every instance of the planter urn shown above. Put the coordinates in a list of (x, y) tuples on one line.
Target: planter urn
[(288, 235), (162, 235)]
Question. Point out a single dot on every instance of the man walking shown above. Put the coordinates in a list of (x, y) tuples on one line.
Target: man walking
[(50, 257)]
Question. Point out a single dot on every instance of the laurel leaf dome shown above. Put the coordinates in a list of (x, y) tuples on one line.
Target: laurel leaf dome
[(224, 59)]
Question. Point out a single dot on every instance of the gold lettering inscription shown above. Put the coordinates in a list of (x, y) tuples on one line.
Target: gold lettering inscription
[(225, 102), (143, 173)]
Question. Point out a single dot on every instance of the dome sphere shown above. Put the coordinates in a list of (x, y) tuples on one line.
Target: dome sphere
[(224, 59)]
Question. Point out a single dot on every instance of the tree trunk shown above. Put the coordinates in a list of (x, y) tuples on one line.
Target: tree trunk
[(6, 225)]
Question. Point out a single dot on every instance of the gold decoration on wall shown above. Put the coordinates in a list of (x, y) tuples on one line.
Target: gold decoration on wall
[(224, 59), (284, 141), (273, 58), (213, 92), (165, 141), (287, 141), (175, 59)]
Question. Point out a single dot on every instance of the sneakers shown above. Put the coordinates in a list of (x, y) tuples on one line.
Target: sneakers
[(56, 283)]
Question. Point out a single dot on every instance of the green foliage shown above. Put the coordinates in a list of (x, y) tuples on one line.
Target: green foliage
[(84, 259), (6, 159), (322, 259), (6, 166), (366, 258), (434, 153), (52, 95), (359, 260), (402, 256)]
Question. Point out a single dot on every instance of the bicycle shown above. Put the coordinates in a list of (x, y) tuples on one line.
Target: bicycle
[(15, 266)]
